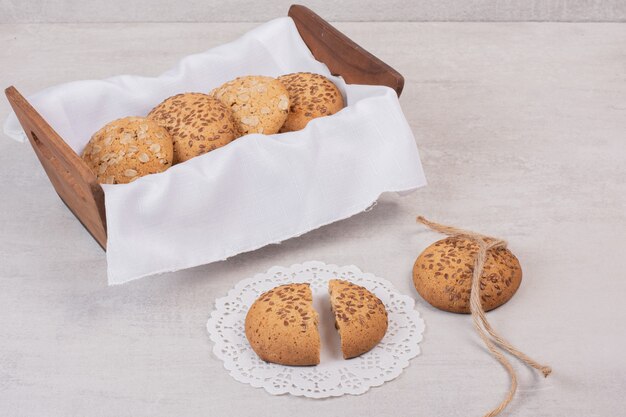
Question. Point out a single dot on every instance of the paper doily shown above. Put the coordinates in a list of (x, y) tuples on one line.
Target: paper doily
[(334, 376)]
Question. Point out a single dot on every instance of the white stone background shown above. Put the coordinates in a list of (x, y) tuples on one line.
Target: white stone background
[(522, 131), (89, 11)]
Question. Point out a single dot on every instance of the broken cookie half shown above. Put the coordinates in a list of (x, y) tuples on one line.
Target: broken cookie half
[(281, 326), (360, 317)]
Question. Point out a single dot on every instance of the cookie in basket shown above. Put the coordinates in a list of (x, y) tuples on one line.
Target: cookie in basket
[(259, 104), (311, 96), (442, 275), (127, 149), (281, 326), (197, 122), (360, 317)]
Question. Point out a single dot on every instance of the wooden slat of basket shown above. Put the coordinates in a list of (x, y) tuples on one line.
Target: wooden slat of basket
[(341, 55), (73, 181)]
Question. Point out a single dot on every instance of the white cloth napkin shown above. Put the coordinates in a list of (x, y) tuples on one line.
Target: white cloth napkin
[(256, 190)]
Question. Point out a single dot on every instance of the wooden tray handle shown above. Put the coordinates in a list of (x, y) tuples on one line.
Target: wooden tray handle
[(341, 55), (73, 181)]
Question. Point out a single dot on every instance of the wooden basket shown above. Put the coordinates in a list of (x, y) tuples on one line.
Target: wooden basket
[(77, 185)]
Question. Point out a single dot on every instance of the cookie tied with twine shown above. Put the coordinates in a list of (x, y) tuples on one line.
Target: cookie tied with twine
[(487, 254), (442, 275)]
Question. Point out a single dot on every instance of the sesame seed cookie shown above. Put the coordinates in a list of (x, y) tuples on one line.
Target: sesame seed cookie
[(259, 104), (197, 122), (127, 149), (360, 317), (281, 326), (311, 96), (442, 275)]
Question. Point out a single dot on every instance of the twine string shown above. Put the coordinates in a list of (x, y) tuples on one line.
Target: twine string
[(489, 336)]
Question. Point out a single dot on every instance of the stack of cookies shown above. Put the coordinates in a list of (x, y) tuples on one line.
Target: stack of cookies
[(191, 124)]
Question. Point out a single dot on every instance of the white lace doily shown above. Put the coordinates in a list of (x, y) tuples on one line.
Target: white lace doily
[(334, 376)]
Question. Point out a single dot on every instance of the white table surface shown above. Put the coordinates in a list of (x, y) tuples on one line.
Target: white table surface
[(522, 131)]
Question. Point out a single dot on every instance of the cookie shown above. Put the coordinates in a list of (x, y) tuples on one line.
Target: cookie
[(197, 122), (259, 104), (281, 326), (360, 317), (127, 149), (310, 96), (442, 275)]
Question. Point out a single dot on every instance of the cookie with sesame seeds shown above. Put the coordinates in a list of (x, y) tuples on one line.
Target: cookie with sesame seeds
[(442, 275), (360, 317), (259, 104), (311, 96), (197, 122), (128, 148), (281, 326)]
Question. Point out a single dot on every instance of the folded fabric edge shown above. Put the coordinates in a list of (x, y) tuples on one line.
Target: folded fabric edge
[(11, 131), (351, 212)]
